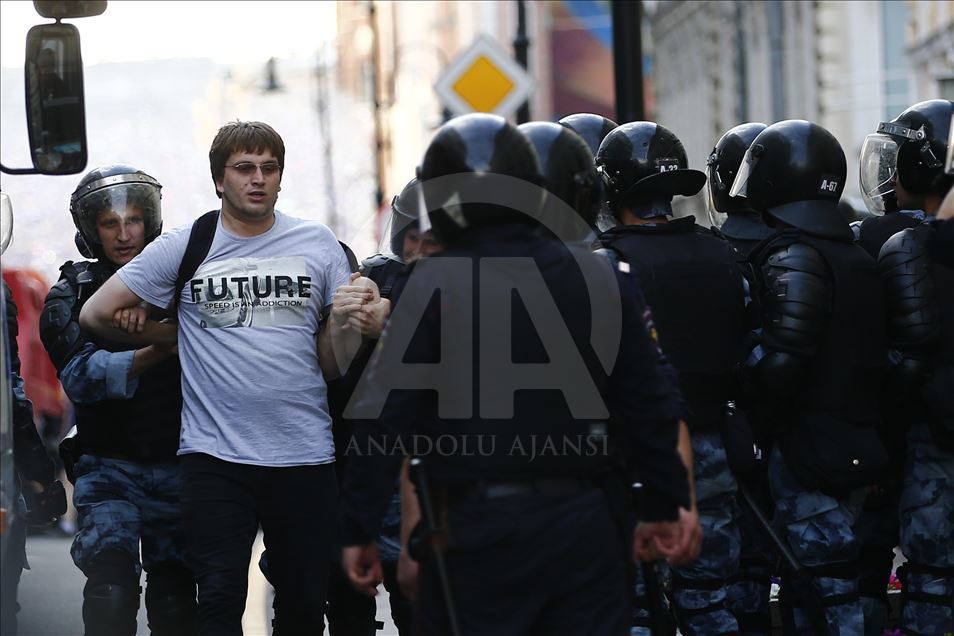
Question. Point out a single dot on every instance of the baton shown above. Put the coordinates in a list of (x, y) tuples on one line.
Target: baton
[(654, 598), (419, 478), (798, 570), (654, 593)]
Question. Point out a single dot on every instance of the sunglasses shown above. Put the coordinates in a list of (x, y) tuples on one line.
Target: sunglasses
[(248, 168)]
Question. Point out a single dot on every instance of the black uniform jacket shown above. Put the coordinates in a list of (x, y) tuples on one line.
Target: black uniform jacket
[(502, 362)]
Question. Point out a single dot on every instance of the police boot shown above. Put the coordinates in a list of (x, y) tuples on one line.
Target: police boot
[(170, 600), (111, 596)]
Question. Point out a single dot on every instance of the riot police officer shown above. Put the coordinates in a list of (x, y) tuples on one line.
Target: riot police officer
[(127, 404), (880, 187), (349, 611), (819, 358), (503, 501), (879, 526), (902, 165), (685, 272), (736, 220)]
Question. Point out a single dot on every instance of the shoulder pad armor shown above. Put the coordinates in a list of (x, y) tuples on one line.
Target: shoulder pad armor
[(905, 267), (799, 257), (795, 299), (384, 271), (59, 325), (378, 260)]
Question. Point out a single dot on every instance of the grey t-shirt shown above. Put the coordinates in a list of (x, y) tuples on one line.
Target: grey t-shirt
[(248, 320)]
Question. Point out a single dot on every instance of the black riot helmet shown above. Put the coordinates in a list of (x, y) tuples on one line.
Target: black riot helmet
[(795, 171), (567, 166), (469, 147), (591, 127), (911, 149), (642, 160), (120, 189), (722, 166)]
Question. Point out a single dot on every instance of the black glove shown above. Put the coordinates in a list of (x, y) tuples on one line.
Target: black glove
[(51, 505)]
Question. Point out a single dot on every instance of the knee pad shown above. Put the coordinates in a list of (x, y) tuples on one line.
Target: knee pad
[(170, 600), (907, 594), (846, 570), (111, 595)]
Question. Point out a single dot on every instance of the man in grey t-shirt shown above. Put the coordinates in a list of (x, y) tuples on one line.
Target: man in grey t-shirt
[(256, 445)]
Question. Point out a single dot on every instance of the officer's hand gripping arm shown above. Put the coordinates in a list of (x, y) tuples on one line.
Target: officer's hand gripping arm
[(88, 373), (98, 312)]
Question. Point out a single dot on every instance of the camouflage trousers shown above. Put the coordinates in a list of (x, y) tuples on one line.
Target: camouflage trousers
[(927, 535), (819, 529), (120, 505), (699, 589)]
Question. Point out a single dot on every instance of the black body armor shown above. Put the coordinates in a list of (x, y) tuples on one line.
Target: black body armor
[(143, 428), (920, 298), (686, 274), (824, 342), (876, 230)]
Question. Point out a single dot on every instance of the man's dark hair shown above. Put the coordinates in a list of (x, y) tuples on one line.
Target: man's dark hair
[(239, 136)]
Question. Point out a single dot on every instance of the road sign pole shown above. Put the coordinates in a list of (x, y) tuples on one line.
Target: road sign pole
[(628, 60), (520, 46)]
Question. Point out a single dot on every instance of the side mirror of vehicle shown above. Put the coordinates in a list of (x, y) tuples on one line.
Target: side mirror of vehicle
[(60, 9), (56, 112)]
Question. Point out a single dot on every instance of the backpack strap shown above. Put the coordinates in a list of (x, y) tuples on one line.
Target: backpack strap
[(200, 242), (352, 259)]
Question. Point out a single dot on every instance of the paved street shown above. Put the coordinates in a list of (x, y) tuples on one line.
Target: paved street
[(51, 594)]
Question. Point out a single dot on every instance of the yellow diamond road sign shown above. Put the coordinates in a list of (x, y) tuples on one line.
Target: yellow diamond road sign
[(484, 79)]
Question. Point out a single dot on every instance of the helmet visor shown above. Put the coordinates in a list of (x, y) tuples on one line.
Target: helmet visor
[(716, 218), (949, 161), (131, 201), (398, 229), (740, 187), (878, 171), (714, 181), (6, 222)]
